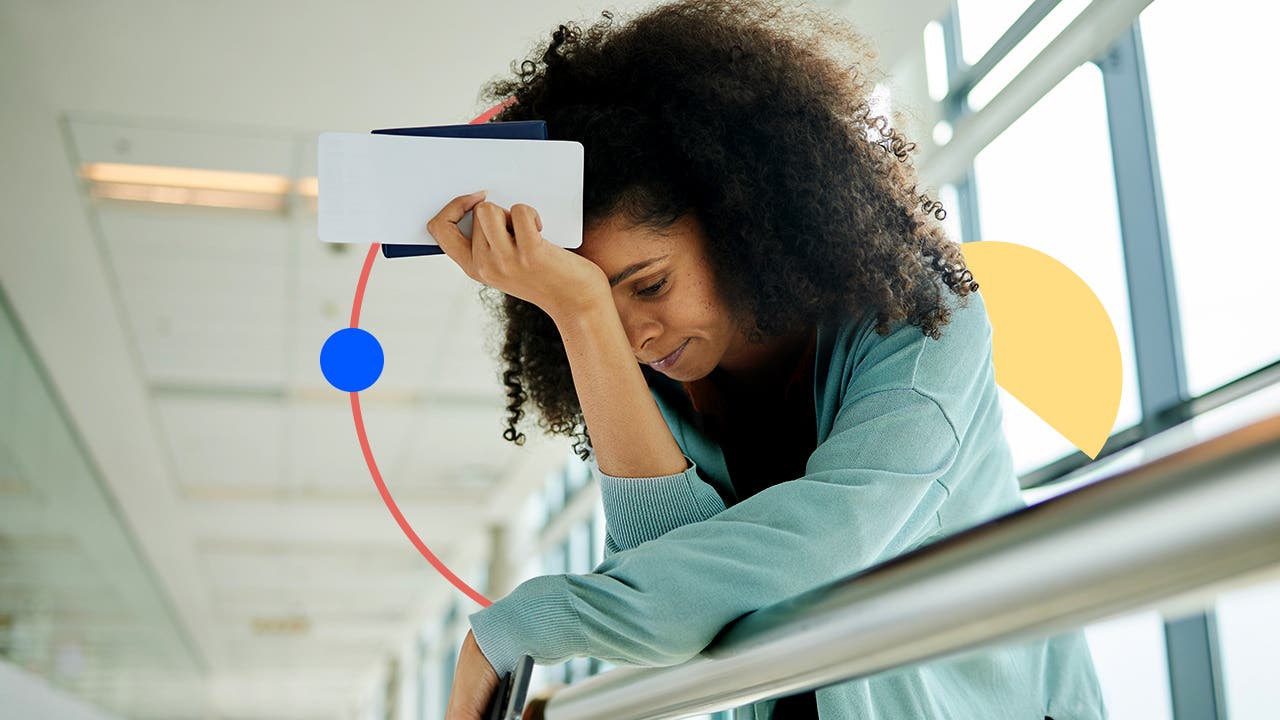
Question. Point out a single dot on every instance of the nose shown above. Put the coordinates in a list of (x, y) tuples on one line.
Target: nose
[(641, 328)]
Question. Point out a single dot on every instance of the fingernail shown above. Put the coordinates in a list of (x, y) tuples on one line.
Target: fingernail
[(478, 192)]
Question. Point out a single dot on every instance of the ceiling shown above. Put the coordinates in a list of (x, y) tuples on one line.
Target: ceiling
[(187, 526)]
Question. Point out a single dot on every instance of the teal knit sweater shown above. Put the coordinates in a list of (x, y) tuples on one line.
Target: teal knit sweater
[(910, 449)]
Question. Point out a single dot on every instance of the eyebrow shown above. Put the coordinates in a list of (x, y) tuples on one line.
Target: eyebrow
[(633, 269)]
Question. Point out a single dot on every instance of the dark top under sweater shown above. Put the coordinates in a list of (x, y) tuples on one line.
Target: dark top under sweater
[(766, 438)]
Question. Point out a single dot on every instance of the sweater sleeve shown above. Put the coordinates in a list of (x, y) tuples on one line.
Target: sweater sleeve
[(869, 492), (637, 510)]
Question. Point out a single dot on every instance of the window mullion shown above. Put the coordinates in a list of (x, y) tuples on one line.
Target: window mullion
[(1192, 651)]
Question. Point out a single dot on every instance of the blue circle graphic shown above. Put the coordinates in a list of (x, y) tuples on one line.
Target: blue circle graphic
[(351, 359)]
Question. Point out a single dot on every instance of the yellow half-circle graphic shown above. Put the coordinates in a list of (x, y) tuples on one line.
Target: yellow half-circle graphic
[(1054, 346)]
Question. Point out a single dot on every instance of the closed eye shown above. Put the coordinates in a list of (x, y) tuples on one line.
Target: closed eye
[(652, 289)]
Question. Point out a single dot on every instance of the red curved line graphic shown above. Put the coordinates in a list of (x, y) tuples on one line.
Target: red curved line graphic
[(395, 512), (364, 279), (364, 439), (373, 466), (485, 116)]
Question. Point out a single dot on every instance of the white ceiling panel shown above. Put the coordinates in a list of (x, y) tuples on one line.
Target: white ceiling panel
[(408, 303), (338, 634), (239, 601), (308, 693), (358, 517), (152, 693), (301, 568), (362, 643), (407, 336), (324, 453), (465, 364), (458, 446), (224, 441), (308, 653), (206, 299), (411, 307), (141, 642), (321, 307), (255, 246), (133, 140)]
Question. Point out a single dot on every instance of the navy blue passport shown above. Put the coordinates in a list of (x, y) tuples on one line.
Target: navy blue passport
[(515, 130)]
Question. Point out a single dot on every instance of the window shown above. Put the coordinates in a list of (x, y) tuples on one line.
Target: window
[(554, 493), (580, 558), (951, 223), (1129, 657), (1217, 153), (577, 474), (1250, 639), (553, 560), (450, 661), (1047, 182), (982, 22)]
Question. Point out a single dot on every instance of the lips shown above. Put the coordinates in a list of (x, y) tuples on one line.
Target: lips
[(669, 360)]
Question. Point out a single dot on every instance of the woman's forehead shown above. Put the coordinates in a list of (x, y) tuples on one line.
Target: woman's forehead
[(621, 240)]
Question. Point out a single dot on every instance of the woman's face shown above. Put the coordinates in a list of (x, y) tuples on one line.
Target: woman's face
[(666, 296)]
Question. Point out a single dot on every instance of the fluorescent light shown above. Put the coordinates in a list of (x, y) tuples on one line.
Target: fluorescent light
[(187, 196), (186, 186), (308, 187), (196, 178), (935, 60), (197, 186)]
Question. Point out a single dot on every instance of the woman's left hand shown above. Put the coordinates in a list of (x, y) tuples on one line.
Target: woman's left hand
[(474, 681), (506, 251)]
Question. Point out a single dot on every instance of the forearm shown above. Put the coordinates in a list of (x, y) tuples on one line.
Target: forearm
[(628, 434)]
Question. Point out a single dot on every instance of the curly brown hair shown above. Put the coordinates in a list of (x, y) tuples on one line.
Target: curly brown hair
[(755, 116)]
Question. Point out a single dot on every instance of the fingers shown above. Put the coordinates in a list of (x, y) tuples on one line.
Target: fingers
[(526, 223), (444, 228), (493, 220), (491, 244), (494, 250)]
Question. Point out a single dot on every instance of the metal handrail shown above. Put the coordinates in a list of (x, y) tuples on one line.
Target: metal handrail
[(1166, 533)]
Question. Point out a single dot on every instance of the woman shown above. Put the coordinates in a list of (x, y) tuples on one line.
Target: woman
[(748, 349)]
